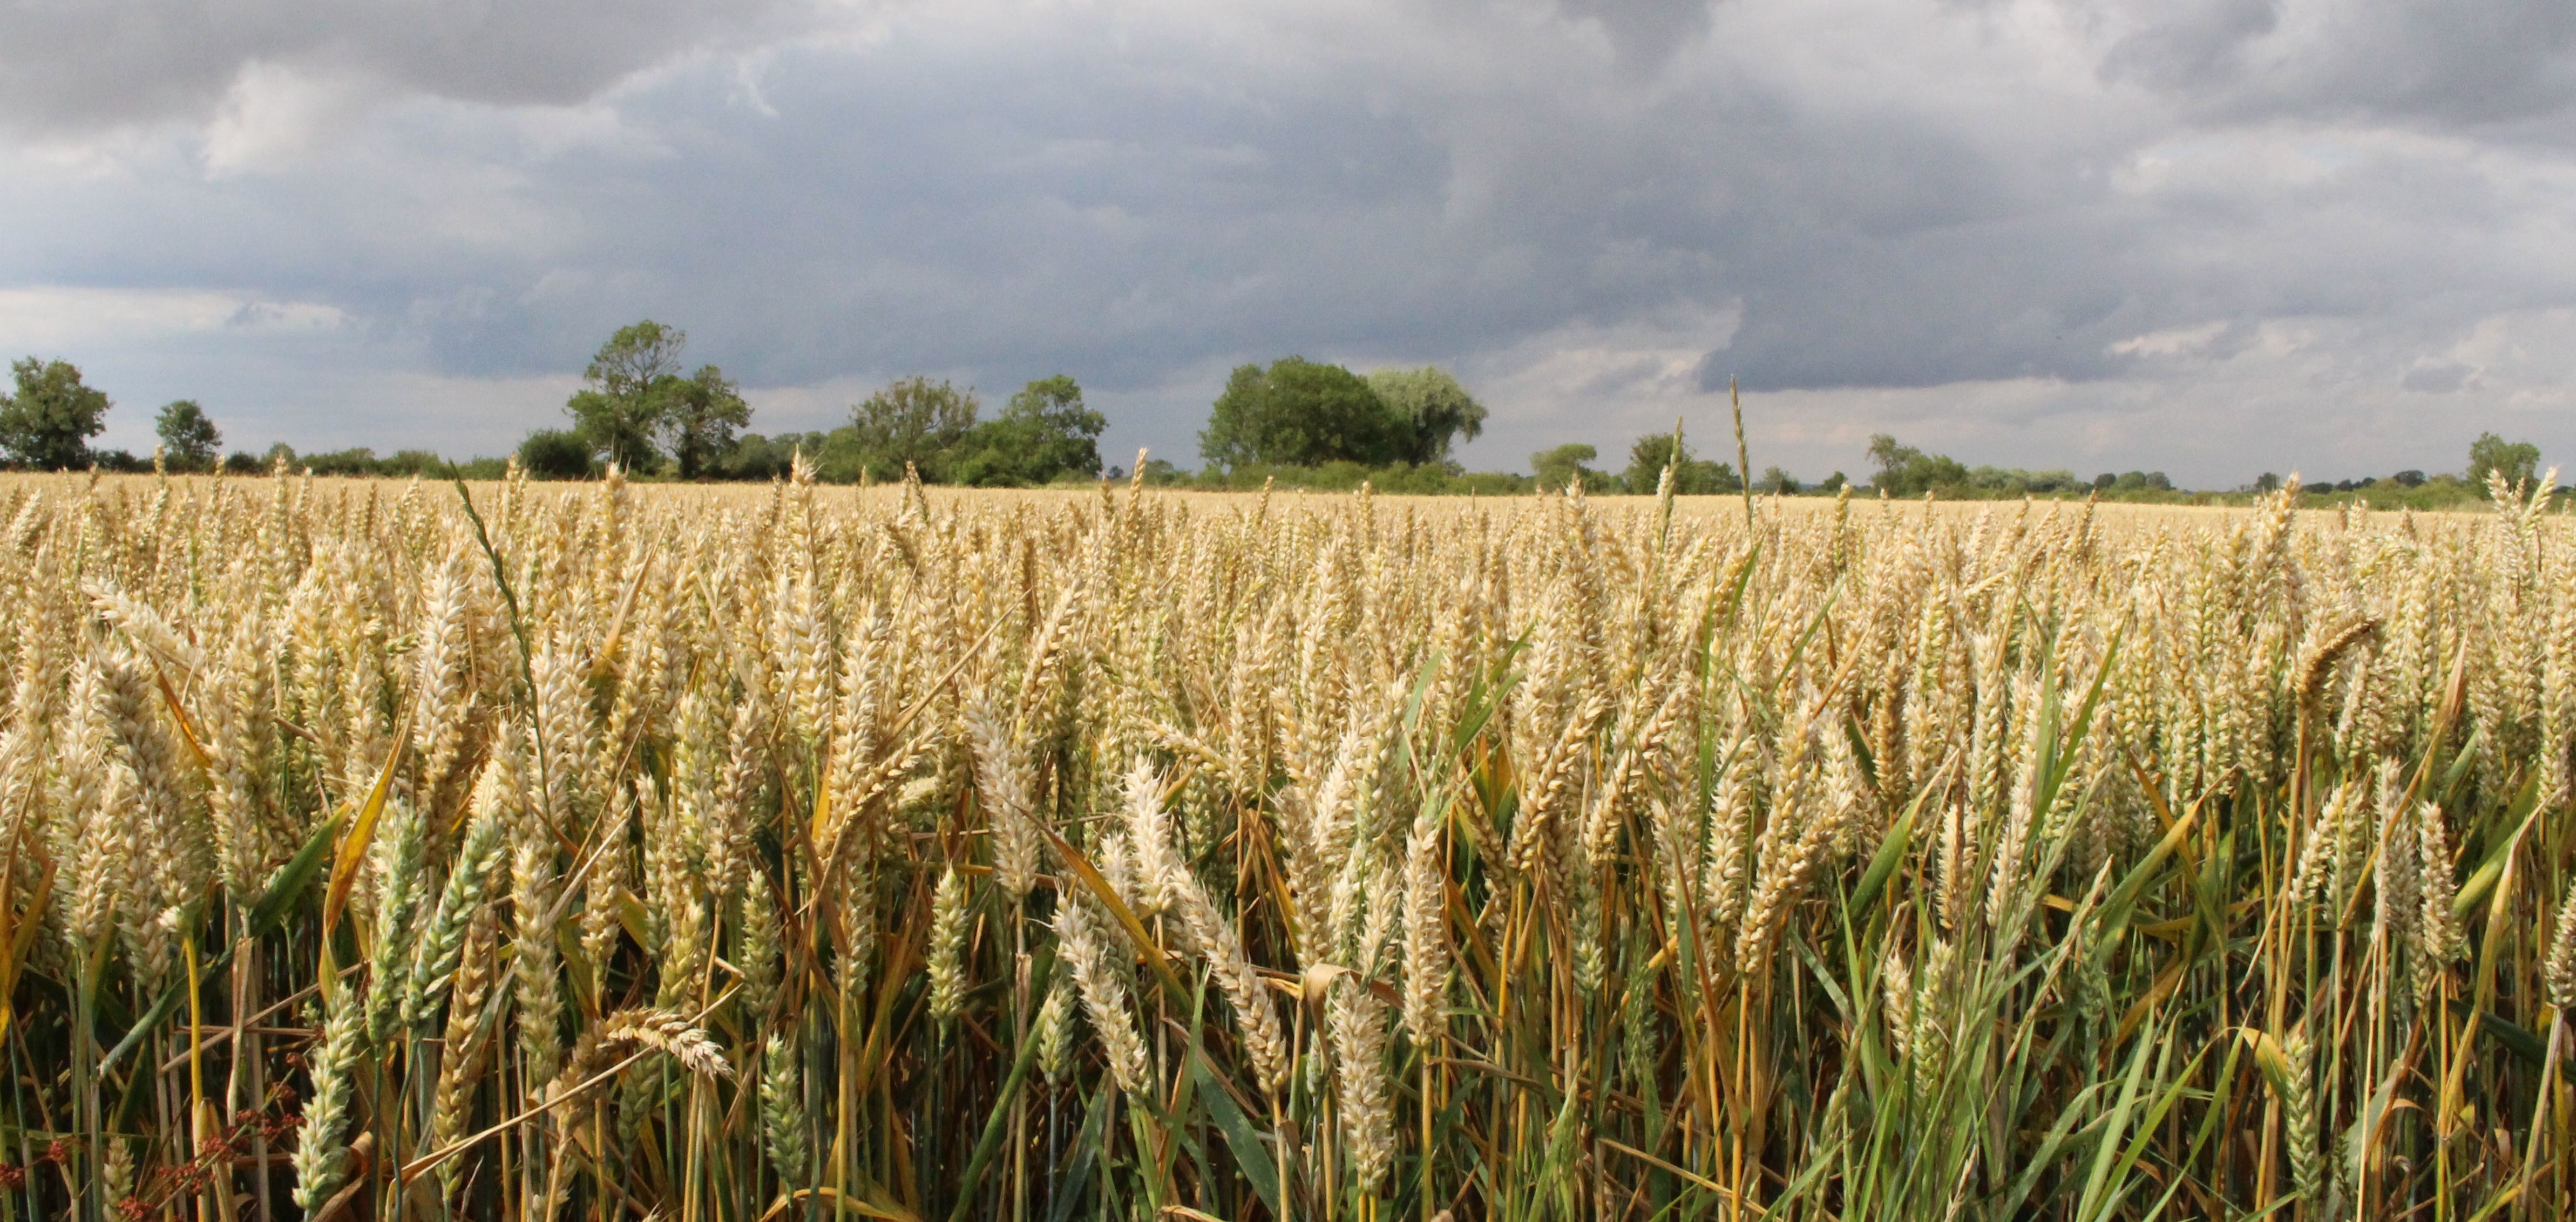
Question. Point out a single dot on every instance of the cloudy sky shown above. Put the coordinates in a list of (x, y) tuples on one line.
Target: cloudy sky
[(2213, 237)]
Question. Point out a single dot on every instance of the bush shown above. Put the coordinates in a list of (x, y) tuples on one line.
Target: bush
[(555, 454)]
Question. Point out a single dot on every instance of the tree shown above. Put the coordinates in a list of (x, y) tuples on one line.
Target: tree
[(47, 424), (189, 437), (2518, 462), (1559, 467), (914, 421), (1043, 432), (1891, 460), (1433, 407), (1906, 471), (1301, 414), (1691, 476), (699, 415), (620, 413), (555, 454), (1778, 482)]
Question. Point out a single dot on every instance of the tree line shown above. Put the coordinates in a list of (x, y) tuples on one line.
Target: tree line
[(1294, 421)]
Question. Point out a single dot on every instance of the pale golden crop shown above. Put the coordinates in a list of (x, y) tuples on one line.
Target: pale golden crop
[(614, 851)]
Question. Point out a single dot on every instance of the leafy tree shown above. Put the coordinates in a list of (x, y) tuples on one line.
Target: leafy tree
[(189, 437), (1691, 476), (2409, 478), (1906, 471), (555, 454), (1043, 432), (356, 460), (913, 421), (1833, 483), (1778, 482), (1557, 468), (2141, 481), (47, 424), (1433, 407), (764, 458), (699, 414), (1301, 414), (620, 413), (2517, 461)]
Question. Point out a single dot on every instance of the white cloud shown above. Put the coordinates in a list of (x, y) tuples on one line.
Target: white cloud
[(2173, 341), (71, 316)]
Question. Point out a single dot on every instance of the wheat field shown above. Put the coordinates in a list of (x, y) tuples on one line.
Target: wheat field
[(528, 851)]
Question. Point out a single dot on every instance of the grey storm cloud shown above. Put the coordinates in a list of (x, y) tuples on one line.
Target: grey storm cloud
[(1878, 196), (74, 65), (2419, 60)]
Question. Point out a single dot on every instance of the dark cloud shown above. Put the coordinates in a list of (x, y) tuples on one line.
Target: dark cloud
[(70, 65), (1606, 209), (2426, 61)]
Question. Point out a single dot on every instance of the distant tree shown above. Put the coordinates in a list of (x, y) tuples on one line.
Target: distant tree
[(1778, 482), (1298, 413), (620, 412), (189, 438), (913, 421), (2517, 461), (354, 461), (555, 454), (1558, 468), (1691, 477), (413, 462), (1433, 409), (2409, 478), (1903, 470), (1834, 484), (2267, 482), (1043, 432), (2141, 481), (699, 416), (243, 462), (1890, 458), (753, 456), (48, 422)]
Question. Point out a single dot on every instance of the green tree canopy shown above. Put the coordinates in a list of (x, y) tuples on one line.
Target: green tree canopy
[(1691, 476), (1298, 413), (915, 421), (700, 416), (1043, 432), (1906, 471), (1558, 467), (189, 437), (48, 421), (2517, 461), (555, 454), (620, 413), (1432, 406)]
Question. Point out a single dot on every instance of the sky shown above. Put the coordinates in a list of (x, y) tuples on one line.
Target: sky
[(2209, 237)]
